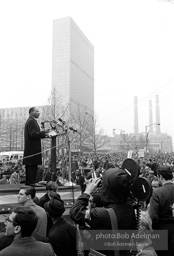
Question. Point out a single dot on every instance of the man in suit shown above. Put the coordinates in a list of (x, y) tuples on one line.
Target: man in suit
[(51, 189), (20, 224), (62, 235), (32, 146), (80, 180), (25, 198), (161, 206)]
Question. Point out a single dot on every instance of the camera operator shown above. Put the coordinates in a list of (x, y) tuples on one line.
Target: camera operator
[(115, 191)]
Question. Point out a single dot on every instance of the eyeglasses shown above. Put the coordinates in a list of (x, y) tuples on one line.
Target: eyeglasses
[(8, 220)]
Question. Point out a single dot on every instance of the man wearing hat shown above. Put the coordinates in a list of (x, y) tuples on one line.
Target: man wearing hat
[(62, 235), (161, 205)]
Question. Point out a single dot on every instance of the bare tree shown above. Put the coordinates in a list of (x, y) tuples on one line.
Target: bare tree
[(79, 122), (55, 108), (96, 136)]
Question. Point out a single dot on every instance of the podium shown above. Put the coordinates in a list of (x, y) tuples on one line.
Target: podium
[(53, 135)]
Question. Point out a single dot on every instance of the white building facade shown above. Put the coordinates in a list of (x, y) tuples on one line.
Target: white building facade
[(72, 65)]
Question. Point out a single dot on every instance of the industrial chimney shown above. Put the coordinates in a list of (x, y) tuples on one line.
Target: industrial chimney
[(157, 116), (135, 115), (150, 117)]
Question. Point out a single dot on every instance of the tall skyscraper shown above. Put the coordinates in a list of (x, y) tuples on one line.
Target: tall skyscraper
[(72, 65)]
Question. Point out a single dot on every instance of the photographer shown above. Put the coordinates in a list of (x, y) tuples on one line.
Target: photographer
[(115, 191)]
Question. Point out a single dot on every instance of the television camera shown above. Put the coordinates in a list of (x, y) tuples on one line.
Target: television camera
[(140, 188)]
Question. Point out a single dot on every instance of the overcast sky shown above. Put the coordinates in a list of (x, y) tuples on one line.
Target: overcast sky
[(134, 56)]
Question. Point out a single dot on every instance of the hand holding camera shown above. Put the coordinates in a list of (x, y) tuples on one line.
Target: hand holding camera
[(92, 185)]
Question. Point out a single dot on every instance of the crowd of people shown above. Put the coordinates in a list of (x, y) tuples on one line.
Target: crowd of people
[(106, 205), (104, 185), (37, 226)]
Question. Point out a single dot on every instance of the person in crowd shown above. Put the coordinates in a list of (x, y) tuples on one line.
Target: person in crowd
[(161, 204), (154, 167), (32, 146), (20, 225), (15, 176), (155, 183), (80, 180), (96, 163), (84, 162), (62, 235), (74, 164), (22, 173), (4, 179), (144, 245), (115, 191), (99, 173), (74, 167), (150, 175), (51, 190), (106, 164), (25, 197)]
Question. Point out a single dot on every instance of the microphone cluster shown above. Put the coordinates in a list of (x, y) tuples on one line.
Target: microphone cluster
[(64, 123), (54, 123)]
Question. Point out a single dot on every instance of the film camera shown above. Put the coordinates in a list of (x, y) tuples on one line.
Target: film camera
[(140, 187)]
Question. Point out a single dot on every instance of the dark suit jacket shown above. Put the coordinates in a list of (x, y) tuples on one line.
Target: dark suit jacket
[(99, 219), (5, 241), (161, 214), (161, 205), (44, 199), (32, 137), (27, 246), (80, 180), (62, 237)]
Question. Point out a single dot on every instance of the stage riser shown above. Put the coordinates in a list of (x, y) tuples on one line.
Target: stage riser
[(6, 208)]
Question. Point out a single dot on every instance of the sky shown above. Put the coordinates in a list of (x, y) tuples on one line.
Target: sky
[(133, 53)]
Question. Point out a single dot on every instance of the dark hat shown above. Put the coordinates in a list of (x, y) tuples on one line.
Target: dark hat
[(55, 207), (116, 185)]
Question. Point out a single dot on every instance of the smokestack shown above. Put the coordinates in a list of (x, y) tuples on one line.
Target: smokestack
[(135, 115), (157, 116), (150, 117)]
